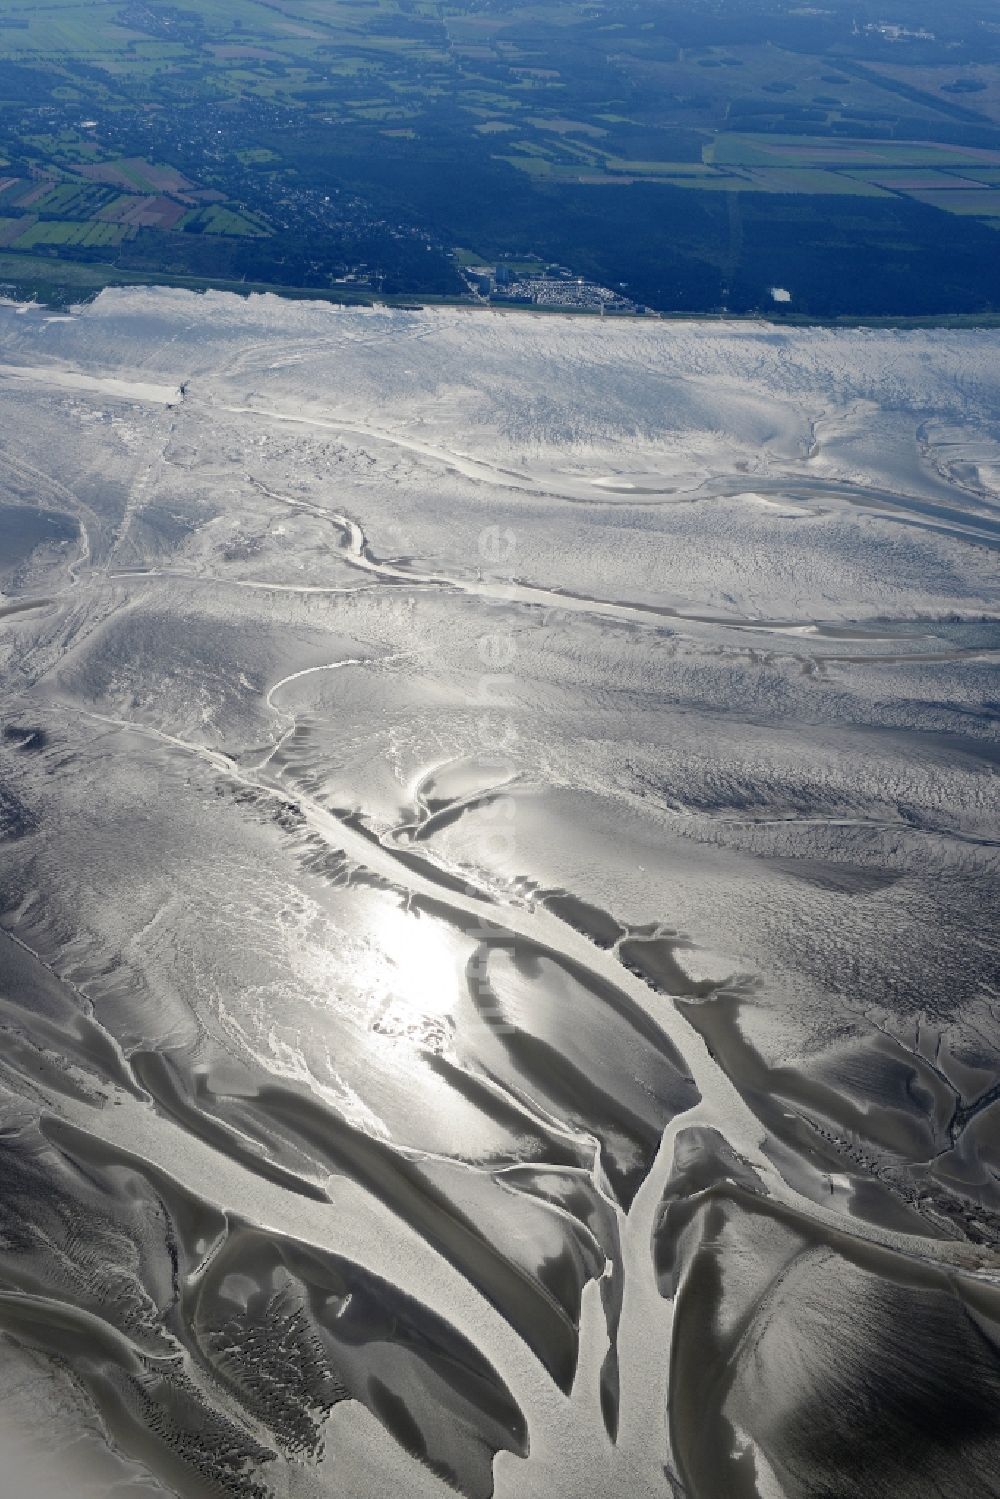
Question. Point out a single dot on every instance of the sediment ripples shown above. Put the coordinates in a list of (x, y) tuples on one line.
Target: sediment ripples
[(497, 957)]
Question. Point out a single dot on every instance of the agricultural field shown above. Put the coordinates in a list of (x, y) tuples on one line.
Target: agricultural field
[(52, 209), (692, 154), (86, 234), (981, 201)]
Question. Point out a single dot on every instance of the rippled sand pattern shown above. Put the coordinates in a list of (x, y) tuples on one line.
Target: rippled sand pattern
[(499, 976)]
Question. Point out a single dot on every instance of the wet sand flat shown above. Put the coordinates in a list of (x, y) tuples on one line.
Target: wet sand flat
[(498, 907)]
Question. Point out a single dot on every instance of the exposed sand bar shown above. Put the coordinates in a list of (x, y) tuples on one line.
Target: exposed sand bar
[(101, 385), (743, 1128), (500, 857)]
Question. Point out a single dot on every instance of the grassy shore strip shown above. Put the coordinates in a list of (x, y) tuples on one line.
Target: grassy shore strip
[(60, 284)]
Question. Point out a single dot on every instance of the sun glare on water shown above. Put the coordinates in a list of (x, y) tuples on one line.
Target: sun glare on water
[(417, 974)]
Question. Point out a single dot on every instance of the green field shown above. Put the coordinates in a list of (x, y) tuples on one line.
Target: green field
[(819, 180), (792, 165), (982, 203), (681, 150), (748, 150), (217, 220), (85, 234)]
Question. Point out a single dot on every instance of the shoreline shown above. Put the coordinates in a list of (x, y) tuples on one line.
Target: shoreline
[(61, 285)]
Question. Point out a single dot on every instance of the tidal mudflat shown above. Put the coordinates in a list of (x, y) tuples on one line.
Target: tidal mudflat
[(498, 909)]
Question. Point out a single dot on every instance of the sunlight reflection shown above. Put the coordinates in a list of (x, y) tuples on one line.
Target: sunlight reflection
[(419, 975)]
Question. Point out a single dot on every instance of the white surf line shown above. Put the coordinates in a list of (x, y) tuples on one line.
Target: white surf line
[(107, 385), (727, 1108)]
